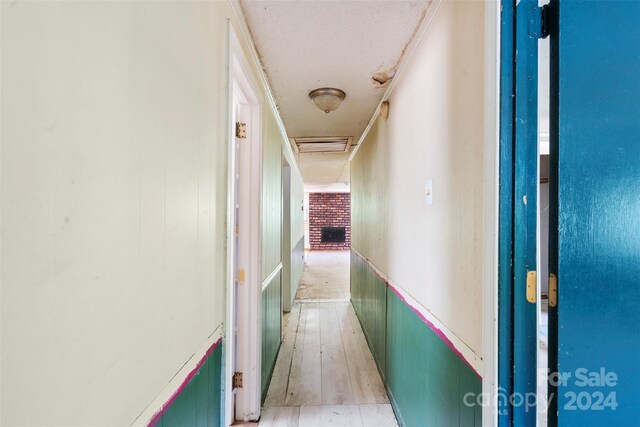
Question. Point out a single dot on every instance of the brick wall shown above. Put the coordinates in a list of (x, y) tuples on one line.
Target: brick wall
[(329, 210)]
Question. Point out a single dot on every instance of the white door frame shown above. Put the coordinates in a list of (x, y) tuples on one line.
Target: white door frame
[(243, 333), (490, 212)]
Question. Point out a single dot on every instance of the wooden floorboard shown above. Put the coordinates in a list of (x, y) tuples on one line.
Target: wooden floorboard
[(370, 366), (277, 394), (330, 415), (305, 384), (368, 415), (295, 379), (361, 378), (378, 415), (336, 386), (280, 416), (325, 374)]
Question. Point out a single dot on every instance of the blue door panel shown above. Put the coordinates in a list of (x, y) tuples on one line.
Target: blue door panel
[(595, 143)]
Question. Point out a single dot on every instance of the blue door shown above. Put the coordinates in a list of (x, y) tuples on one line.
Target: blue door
[(594, 342)]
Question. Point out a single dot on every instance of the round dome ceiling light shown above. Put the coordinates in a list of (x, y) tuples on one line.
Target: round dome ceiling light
[(327, 99)]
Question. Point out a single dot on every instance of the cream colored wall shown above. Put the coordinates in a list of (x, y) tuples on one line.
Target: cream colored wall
[(307, 244), (273, 144), (271, 195), (113, 197), (434, 131)]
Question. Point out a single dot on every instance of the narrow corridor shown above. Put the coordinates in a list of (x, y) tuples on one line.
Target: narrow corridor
[(463, 172), (325, 373)]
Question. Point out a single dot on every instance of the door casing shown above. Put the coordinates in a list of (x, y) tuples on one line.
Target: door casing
[(243, 303)]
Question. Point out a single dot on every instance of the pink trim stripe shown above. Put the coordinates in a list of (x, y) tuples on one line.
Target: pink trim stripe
[(422, 317), (156, 417)]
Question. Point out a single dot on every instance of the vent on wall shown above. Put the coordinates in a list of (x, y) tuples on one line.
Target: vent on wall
[(322, 144)]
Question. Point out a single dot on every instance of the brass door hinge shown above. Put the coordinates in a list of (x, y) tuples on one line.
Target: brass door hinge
[(553, 290), (241, 130), (532, 286), (241, 276), (237, 380)]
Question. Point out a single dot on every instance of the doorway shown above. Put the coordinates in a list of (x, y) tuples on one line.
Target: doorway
[(242, 357)]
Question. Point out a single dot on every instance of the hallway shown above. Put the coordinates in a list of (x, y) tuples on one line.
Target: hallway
[(325, 373), (464, 173)]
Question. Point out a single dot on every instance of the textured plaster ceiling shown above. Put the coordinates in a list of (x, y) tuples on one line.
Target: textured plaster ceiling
[(305, 45), (325, 169)]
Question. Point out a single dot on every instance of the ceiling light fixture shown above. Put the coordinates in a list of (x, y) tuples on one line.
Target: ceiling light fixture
[(327, 99)]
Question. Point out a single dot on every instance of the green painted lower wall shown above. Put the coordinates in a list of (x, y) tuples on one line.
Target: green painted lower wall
[(369, 301), (426, 380), (271, 328), (297, 264), (200, 402)]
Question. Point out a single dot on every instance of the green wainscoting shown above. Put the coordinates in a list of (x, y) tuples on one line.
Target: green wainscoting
[(297, 264), (369, 299), (271, 328), (426, 380), (200, 401)]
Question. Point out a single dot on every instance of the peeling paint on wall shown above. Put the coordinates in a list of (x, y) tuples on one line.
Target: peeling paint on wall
[(382, 79)]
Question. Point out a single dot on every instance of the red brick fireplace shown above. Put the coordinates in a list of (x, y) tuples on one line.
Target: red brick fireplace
[(329, 221)]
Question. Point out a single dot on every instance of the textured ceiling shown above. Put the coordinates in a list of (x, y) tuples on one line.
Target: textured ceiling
[(305, 45), (325, 169)]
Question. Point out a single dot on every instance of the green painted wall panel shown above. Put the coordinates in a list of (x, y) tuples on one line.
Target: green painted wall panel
[(443, 384), (202, 397), (200, 402), (369, 301), (355, 276), (271, 233), (271, 328), (426, 380), (215, 389), (407, 360), (469, 381)]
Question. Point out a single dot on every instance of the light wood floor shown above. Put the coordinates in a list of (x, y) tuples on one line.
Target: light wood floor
[(325, 276), (325, 374)]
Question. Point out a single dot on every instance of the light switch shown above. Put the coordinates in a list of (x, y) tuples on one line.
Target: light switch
[(429, 192)]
